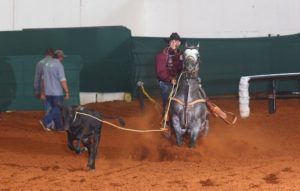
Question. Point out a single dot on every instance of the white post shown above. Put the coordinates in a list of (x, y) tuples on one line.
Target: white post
[(244, 96)]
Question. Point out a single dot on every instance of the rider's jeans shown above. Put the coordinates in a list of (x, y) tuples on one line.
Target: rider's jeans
[(165, 89)]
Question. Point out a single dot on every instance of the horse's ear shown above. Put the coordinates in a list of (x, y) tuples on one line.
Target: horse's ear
[(186, 45), (198, 45)]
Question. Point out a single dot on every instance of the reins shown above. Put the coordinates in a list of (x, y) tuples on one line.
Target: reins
[(117, 126)]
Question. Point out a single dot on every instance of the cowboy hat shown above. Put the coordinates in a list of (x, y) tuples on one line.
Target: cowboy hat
[(174, 36)]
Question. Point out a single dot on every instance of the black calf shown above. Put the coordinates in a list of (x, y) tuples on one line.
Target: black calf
[(85, 129)]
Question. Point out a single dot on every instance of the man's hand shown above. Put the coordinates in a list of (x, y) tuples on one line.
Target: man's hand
[(173, 81), (42, 96), (37, 95), (66, 89), (67, 96)]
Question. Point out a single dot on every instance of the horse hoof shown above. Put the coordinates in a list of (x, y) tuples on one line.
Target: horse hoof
[(91, 168), (179, 144), (192, 146)]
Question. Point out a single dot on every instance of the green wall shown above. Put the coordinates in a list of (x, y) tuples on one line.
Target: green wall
[(103, 62), (224, 61), (105, 52), (109, 59), (16, 81)]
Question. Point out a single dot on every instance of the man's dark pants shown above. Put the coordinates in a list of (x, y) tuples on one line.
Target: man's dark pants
[(54, 114), (165, 89)]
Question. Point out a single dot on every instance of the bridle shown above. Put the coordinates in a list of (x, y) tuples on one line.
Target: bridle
[(189, 74), (191, 60)]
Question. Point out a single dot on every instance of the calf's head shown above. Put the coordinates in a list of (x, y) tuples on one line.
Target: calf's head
[(68, 115)]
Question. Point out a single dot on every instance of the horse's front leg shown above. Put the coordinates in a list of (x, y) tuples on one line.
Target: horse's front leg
[(177, 128), (205, 128), (194, 137), (194, 126)]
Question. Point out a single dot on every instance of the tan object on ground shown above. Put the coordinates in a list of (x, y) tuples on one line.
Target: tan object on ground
[(228, 117)]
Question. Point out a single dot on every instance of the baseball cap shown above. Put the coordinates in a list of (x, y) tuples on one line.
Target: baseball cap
[(59, 53)]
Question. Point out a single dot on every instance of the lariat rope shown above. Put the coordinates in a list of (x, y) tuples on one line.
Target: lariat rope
[(142, 88), (171, 96), (117, 126), (168, 107), (146, 94)]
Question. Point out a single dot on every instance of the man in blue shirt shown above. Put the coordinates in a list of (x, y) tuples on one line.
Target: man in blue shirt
[(54, 84)]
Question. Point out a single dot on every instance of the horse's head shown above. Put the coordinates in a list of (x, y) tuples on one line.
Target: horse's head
[(191, 57)]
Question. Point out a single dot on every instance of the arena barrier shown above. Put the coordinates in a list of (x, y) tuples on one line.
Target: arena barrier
[(244, 97), (96, 97)]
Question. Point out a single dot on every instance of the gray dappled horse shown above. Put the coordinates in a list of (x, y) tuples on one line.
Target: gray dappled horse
[(188, 106)]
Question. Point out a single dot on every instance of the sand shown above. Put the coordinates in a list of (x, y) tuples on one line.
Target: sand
[(261, 152)]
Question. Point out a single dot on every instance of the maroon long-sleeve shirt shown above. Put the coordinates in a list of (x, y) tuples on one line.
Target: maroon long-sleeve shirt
[(168, 64)]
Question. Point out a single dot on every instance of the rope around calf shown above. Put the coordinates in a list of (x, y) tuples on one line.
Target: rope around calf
[(119, 127)]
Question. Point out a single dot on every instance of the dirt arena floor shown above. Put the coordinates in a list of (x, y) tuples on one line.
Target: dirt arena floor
[(261, 152)]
